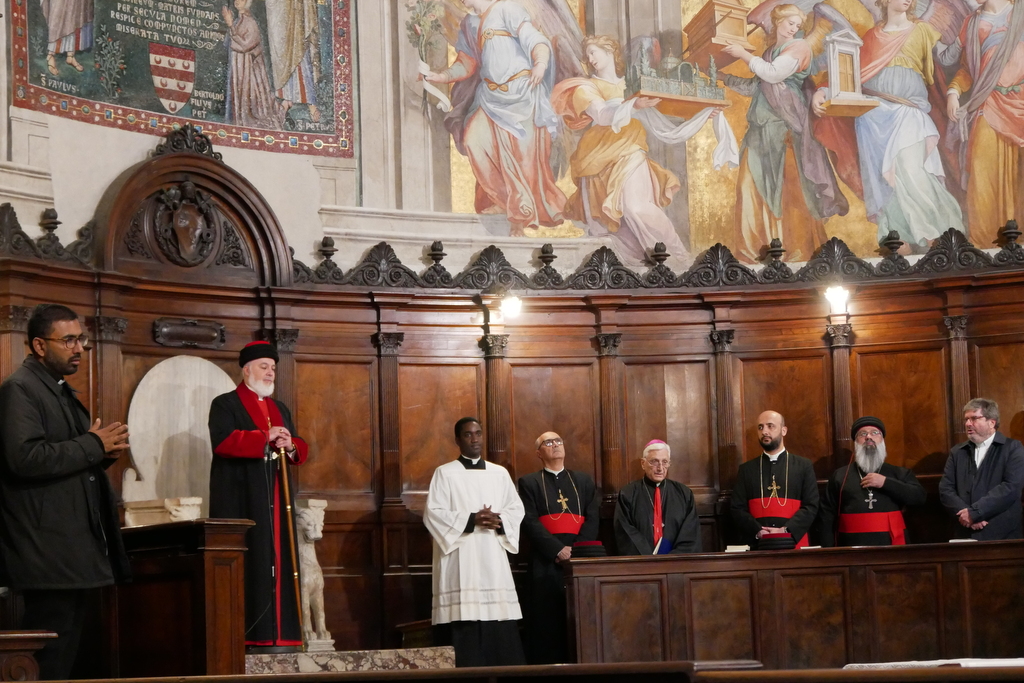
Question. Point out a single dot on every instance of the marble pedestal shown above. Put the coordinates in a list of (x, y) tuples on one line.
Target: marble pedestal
[(359, 660)]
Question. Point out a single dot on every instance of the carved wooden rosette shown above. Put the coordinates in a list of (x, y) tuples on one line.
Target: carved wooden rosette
[(108, 332), (839, 339), (13, 325), (729, 456), (499, 393), (388, 344), (610, 368), (960, 370)]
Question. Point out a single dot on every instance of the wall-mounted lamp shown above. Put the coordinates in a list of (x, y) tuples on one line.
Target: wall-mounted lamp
[(511, 305), (837, 297)]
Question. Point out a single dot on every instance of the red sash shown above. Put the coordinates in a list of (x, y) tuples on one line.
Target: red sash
[(562, 523), (761, 508), (874, 522)]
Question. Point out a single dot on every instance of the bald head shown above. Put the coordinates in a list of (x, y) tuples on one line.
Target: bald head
[(551, 451), (771, 431)]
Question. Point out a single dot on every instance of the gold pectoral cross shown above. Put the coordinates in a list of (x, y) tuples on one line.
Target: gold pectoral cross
[(774, 488), (563, 500)]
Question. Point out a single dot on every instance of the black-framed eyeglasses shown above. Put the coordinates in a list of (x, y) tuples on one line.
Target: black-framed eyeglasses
[(548, 443), (70, 341)]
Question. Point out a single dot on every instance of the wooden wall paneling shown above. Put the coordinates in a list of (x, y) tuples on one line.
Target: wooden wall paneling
[(908, 608), (108, 332), (499, 400), (388, 344), (641, 609), (810, 618), (906, 386), (13, 338), (673, 401), (960, 372), (796, 384), (839, 336), (613, 457), (722, 609), (729, 456), (336, 409), (984, 636), (349, 556), (563, 398), (999, 375), (286, 387)]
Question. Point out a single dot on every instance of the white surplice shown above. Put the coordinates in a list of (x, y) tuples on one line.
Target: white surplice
[(472, 580)]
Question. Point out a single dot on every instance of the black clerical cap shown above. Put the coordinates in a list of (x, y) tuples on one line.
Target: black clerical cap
[(867, 421), (255, 350)]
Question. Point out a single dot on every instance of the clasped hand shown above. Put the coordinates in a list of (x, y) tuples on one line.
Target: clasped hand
[(280, 438), (964, 517), (114, 437), (487, 519)]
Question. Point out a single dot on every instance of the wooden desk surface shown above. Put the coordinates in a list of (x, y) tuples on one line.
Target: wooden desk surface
[(819, 608)]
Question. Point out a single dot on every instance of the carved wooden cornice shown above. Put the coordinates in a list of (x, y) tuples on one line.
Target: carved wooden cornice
[(608, 343), (839, 335), (956, 325), (494, 345), (15, 242), (722, 340), (14, 318), (188, 333), (109, 328), (717, 267), (283, 339), (388, 342)]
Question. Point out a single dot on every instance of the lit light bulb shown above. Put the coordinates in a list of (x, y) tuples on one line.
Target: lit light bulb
[(837, 298), (511, 306)]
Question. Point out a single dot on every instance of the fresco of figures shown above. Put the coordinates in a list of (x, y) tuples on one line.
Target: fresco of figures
[(613, 135), (258, 75)]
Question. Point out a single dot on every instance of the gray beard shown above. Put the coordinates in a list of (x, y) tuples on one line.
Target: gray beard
[(869, 458), (260, 389)]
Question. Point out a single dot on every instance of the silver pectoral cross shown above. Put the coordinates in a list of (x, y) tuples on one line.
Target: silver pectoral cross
[(870, 500)]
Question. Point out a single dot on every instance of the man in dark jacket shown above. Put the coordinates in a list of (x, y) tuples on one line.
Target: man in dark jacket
[(982, 482), (59, 531)]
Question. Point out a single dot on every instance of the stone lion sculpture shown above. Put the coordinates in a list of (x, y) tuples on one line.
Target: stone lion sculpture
[(309, 522)]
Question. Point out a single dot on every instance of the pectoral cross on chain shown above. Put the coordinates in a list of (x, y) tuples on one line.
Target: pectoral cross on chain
[(774, 488), (563, 500), (870, 500)]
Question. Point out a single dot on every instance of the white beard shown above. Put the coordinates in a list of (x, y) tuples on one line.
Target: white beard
[(869, 462), (261, 389)]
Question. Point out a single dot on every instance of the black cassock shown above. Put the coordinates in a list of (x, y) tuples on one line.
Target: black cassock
[(541, 491), (634, 519), (794, 506), (868, 516), (246, 485)]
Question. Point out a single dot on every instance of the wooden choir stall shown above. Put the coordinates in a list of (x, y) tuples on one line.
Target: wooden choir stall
[(379, 358)]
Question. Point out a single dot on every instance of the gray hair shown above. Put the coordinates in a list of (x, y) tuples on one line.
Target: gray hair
[(989, 408)]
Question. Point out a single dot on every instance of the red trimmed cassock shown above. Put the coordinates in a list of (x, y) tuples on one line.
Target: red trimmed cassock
[(245, 484), (794, 505), (868, 516)]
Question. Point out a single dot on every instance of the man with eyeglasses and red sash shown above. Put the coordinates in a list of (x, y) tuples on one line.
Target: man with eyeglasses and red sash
[(562, 516), (776, 494), (864, 501), (248, 430)]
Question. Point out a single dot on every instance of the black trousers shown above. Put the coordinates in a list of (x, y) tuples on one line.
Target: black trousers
[(487, 643), (63, 612)]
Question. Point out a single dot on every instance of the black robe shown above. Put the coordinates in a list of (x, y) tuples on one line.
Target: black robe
[(800, 487), (634, 518), (546, 625), (900, 490), (246, 485)]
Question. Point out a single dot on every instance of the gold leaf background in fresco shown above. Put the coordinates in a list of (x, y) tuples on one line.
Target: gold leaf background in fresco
[(712, 193)]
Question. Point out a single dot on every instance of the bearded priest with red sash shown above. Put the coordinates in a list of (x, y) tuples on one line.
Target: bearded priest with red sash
[(863, 501), (776, 494), (562, 515), (247, 430)]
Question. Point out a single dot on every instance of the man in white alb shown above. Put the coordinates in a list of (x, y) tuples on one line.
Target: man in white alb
[(473, 514)]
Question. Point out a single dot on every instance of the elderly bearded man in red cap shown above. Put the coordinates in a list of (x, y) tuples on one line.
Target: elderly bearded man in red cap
[(655, 515), (248, 430)]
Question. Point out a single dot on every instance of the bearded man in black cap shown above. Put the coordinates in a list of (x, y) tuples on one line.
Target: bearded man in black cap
[(248, 430), (864, 501)]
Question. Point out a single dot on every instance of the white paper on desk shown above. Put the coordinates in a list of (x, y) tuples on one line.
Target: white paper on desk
[(963, 540), (737, 548)]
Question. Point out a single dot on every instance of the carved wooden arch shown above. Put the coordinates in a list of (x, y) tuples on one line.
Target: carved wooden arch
[(184, 215)]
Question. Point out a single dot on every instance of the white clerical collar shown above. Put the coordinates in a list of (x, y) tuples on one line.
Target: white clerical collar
[(59, 382), (775, 457), (547, 469), (472, 460)]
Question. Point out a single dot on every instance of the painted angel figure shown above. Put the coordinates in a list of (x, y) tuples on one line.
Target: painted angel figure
[(502, 118), (985, 103), (897, 142), (787, 185), (621, 190)]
